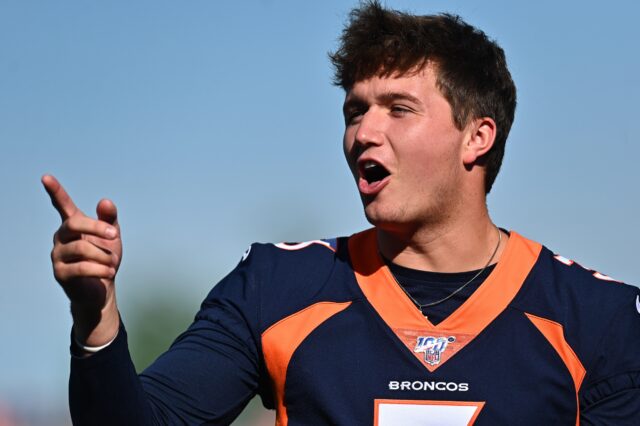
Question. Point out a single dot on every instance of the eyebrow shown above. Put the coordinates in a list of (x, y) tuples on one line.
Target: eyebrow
[(389, 97), (355, 101)]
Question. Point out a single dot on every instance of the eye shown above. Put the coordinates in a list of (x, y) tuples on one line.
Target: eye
[(353, 116), (400, 110)]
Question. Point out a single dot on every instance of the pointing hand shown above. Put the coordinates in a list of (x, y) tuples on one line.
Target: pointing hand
[(86, 255)]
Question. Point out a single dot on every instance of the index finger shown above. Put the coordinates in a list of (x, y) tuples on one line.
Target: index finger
[(59, 197)]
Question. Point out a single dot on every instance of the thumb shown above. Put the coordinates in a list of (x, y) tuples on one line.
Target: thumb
[(107, 212)]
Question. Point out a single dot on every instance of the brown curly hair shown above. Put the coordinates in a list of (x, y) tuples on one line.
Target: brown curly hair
[(471, 69)]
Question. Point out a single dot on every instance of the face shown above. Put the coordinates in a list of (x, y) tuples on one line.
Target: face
[(404, 150)]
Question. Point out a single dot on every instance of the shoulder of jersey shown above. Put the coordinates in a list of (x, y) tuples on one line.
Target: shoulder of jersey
[(305, 260), (584, 301), (293, 262), (287, 252), (293, 276), (589, 283), (561, 284)]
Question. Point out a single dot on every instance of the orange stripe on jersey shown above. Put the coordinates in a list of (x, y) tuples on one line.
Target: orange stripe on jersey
[(463, 325), (554, 333), (281, 340)]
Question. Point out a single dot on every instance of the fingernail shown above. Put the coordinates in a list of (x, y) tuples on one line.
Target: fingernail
[(110, 232)]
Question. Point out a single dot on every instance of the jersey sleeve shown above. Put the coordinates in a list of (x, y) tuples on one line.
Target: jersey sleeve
[(611, 393), (207, 376)]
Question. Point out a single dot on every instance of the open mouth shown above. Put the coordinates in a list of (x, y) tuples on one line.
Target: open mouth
[(373, 172)]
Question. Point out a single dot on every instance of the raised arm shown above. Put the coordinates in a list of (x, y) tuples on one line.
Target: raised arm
[(207, 376), (86, 255)]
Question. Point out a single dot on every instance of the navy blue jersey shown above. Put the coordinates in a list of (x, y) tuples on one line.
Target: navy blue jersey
[(324, 334)]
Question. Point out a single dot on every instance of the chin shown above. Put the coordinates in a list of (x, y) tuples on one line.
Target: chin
[(398, 218), (390, 219)]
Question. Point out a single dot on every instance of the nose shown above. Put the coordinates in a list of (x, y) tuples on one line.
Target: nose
[(364, 134), (368, 130)]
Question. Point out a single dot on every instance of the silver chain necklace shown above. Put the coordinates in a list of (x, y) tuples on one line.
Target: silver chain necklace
[(459, 289)]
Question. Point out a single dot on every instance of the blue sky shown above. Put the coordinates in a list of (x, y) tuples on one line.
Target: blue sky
[(214, 124)]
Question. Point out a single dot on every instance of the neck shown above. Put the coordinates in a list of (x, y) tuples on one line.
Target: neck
[(463, 245)]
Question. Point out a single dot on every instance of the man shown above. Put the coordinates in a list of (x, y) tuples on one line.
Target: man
[(434, 316)]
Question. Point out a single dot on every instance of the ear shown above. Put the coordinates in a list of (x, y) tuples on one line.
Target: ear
[(481, 133)]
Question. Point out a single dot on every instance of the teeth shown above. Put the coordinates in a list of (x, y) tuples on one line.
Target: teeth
[(372, 171)]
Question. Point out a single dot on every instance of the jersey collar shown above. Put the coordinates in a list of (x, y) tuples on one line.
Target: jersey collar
[(465, 323)]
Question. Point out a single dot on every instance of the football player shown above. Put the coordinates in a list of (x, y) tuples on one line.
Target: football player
[(434, 316)]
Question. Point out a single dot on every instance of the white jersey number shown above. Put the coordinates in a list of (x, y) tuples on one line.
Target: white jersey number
[(389, 412)]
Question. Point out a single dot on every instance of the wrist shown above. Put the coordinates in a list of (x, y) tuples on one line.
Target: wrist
[(95, 328), (93, 349)]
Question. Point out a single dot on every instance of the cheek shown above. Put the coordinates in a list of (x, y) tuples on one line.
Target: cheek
[(434, 143), (346, 144), (347, 148), (428, 160)]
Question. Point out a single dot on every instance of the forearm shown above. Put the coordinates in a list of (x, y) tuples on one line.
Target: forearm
[(105, 389), (207, 376)]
